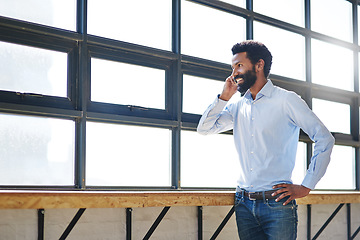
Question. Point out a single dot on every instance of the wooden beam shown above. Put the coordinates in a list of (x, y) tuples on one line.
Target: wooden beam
[(17, 199), (109, 199), (330, 198)]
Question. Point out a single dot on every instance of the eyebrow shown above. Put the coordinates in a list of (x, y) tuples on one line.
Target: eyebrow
[(232, 66)]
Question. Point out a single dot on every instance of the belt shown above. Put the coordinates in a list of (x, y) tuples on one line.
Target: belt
[(258, 195)]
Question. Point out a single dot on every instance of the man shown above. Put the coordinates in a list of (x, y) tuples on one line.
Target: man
[(266, 122)]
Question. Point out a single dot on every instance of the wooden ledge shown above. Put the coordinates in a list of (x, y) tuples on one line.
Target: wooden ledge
[(113, 199), (110, 199), (317, 197)]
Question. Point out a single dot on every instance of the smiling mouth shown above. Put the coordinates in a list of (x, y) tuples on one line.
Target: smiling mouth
[(238, 80)]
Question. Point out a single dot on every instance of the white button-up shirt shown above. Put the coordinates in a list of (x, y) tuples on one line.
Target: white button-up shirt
[(266, 134)]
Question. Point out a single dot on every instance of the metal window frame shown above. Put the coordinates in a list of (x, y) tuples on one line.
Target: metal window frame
[(80, 47)]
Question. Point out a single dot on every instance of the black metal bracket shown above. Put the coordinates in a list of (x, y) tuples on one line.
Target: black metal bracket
[(348, 210), (156, 223), (348, 214), (223, 223), (355, 233), (41, 223), (72, 223), (219, 229), (328, 221)]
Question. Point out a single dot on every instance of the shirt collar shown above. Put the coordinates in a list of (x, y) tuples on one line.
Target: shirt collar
[(265, 91)]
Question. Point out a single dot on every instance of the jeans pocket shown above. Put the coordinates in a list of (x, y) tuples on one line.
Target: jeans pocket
[(238, 198), (274, 204)]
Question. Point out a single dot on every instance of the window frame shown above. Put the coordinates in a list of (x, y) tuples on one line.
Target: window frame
[(80, 47)]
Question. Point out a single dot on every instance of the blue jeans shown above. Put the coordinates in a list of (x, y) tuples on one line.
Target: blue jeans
[(265, 219)]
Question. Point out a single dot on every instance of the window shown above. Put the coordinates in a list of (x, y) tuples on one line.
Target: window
[(60, 14), (200, 92), (120, 155), (32, 70), (328, 59), (323, 20), (127, 84), (240, 3), (335, 116), (203, 160), (136, 21), (342, 164), (287, 48), (300, 164), (209, 33), (36, 150), (108, 94), (294, 13)]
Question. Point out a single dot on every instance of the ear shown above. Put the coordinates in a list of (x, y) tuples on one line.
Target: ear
[(259, 66)]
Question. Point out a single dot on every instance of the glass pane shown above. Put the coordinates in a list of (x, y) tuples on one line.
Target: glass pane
[(358, 21), (359, 58), (283, 45), (239, 3), (195, 101), (36, 150), (60, 14), (32, 70), (114, 82), (340, 173), (137, 21), (325, 58), (205, 164), (293, 14), (203, 31), (332, 17), (119, 155), (335, 116), (300, 164)]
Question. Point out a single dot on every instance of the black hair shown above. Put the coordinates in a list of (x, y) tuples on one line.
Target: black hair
[(255, 51)]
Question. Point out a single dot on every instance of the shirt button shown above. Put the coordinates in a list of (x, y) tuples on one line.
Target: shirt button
[(251, 186), (252, 118), (252, 152), (252, 135), (251, 169)]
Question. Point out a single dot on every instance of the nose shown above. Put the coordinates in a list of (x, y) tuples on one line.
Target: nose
[(233, 73)]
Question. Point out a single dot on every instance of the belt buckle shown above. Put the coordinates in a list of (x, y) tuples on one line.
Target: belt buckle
[(250, 198)]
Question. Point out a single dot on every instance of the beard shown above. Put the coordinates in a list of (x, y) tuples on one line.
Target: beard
[(249, 78)]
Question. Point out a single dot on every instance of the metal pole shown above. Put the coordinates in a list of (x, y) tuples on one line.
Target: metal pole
[(128, 223), (308, 221), (41, 221), (200, 222)]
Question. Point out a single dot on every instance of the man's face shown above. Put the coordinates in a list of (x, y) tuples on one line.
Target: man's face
[(243, 72)]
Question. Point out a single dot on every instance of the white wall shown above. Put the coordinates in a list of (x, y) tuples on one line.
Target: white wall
[(180, 223)]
